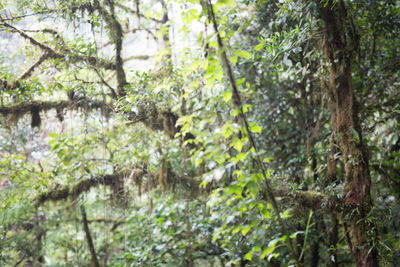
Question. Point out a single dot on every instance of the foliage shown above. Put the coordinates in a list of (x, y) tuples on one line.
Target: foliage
[(197, 133)]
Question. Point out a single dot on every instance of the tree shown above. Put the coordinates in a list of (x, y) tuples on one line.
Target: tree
[(341, 40)]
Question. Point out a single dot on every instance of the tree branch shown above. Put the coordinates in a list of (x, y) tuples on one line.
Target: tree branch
[(137, 13), (117, 35), (29, 71), (95, 261), (82, 186), (51, 53), (84, 103)]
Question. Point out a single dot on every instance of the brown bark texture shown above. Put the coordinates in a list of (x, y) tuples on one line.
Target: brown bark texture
[(340, 40), (94, 260)]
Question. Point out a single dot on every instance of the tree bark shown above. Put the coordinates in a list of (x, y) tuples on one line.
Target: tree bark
[(94, 260), (331, 178), (340, 39)]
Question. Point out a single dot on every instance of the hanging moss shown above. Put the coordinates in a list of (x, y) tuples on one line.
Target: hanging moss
[(36, 120), (60, 114), (137, 177), (63, 192), (169, 122), (15, 112)]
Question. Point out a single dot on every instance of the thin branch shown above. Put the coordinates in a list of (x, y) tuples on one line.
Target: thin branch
[(135, 30), (91, 60), (137, 13), (12, 18), (113, 93), (100, 220), (29, 71), (137, 57), (95, 261), (33, 41), (238, 104)]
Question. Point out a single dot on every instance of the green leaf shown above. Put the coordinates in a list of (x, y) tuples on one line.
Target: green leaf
[(266, 252), (226, 2), (235, 189), (245, 230), (294, 235), (252, 187), (236, 229), (266, 214), (246, 108), (255, 129), (241, 157), (227, 130), (191, 15), (270, 249), (55, 147), (248, 255), (227, 95), (234, 60), (286, 214), (235, 112), (240, 81), (238, 144), (273, 242), (242, 53), (215, 236), (259, 46), (355, 135), (267, 160)]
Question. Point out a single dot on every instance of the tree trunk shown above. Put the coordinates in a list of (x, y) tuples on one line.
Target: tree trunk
[(94, 260), (340, 39), (331, 178)]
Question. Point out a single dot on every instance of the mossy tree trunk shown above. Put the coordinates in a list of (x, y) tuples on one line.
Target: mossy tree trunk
[(340, 40)]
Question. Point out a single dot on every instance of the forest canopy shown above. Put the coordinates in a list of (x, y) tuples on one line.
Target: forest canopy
[(199, 133)]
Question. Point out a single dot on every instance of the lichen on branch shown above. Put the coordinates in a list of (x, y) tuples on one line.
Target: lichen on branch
[(35, 107)]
